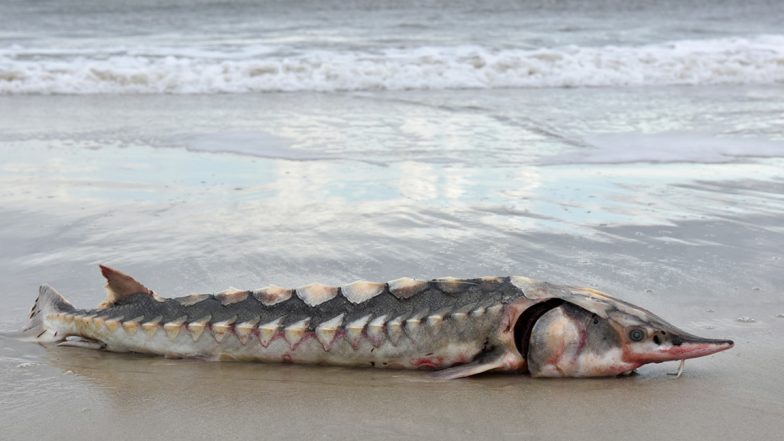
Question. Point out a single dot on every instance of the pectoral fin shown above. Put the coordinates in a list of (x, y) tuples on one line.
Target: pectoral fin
[(484, 363)]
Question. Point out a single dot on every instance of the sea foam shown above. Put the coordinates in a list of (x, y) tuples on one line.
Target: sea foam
[(757, 60), (668, 147)]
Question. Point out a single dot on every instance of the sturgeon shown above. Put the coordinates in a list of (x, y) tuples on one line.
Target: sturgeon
[(458, 327)]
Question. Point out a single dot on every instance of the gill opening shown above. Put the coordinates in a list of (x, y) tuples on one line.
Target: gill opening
[(525, 324)]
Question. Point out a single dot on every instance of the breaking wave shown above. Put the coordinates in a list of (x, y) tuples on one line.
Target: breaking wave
[(758, 60)]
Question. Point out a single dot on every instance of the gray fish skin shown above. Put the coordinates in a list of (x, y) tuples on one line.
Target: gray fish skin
[(458, 326), (446, 322)]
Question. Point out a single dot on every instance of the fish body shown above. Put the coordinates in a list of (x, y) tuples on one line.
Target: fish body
[(459, 327)]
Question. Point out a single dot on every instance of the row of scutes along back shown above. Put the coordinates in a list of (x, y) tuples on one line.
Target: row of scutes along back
[(377, 330), (357, 292)]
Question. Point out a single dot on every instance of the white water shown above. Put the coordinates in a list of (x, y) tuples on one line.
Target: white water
[(262, 68), (670, 197)]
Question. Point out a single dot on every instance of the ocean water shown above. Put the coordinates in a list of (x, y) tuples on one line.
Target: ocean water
[(635, 147), (189, 47)]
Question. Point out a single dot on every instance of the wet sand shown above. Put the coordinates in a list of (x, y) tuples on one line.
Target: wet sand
[(94, 394), (201, 193)]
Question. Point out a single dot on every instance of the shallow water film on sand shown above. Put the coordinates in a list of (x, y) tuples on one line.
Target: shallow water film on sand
[(621, 146)]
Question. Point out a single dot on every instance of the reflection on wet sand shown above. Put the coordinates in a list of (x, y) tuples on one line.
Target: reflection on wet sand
[(203, 399), (451, 191)]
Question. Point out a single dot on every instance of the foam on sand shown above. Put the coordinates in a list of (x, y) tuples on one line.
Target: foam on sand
[(757, 60), (669, 147)]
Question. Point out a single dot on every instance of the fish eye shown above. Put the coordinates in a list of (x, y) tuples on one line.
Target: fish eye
[(636, 334)]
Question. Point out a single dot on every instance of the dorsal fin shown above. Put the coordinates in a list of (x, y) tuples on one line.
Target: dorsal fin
[(119, 285)]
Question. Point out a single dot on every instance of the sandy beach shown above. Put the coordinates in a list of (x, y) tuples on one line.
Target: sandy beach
[(625, 146), (121, 180)]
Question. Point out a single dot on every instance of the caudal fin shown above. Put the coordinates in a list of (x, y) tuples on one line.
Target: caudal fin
[(48, 301)]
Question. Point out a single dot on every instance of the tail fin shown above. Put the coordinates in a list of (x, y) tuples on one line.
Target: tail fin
[(48, 301)]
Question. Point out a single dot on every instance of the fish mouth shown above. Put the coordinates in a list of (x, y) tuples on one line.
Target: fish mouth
[(684, 346)]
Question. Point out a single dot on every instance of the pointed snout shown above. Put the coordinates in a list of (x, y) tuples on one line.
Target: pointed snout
[(691, 346), (685, 346)]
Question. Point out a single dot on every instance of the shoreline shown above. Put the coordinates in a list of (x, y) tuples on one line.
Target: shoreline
[(461, 191)]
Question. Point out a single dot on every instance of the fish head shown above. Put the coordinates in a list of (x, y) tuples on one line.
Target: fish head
[(590, 334), (647, 338)]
